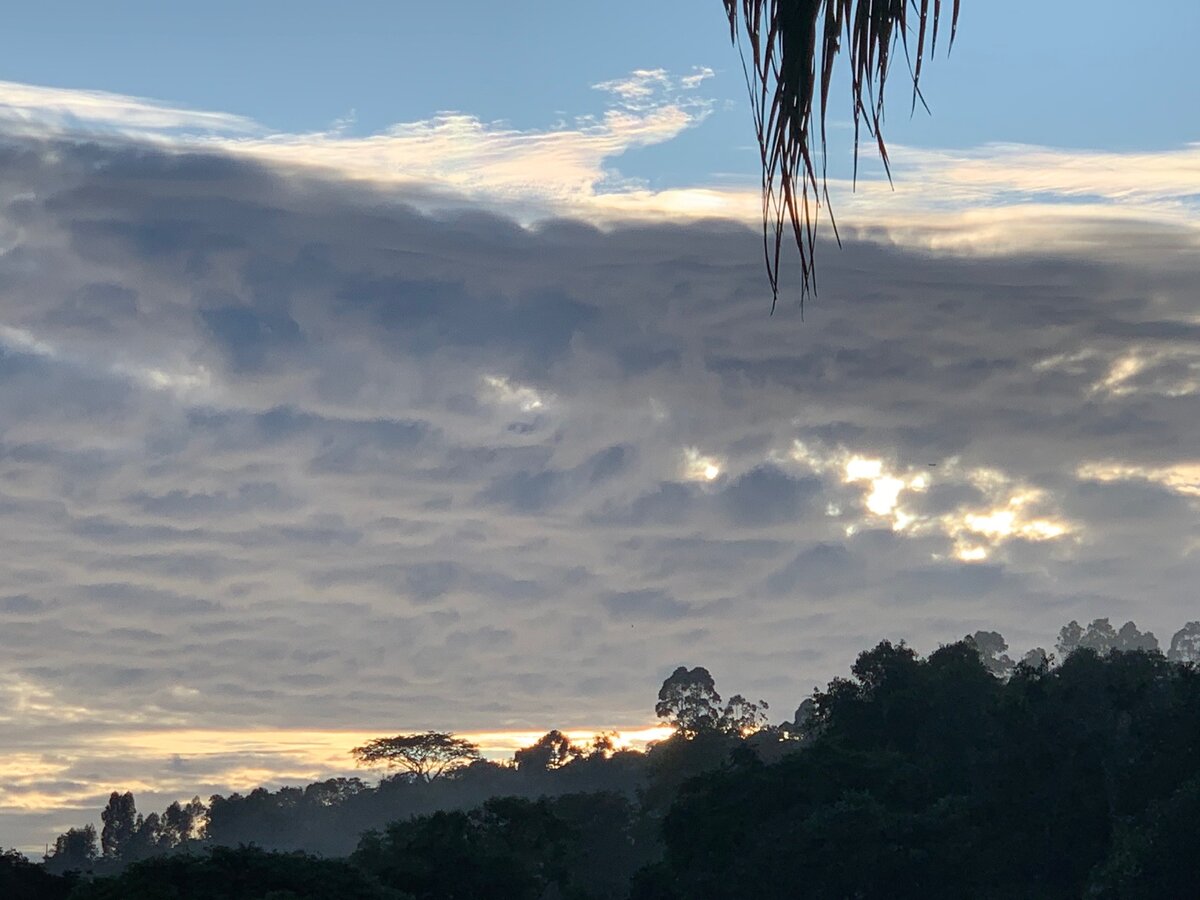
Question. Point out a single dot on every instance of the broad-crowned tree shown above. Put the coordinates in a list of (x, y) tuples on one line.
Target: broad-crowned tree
[(425, 756)]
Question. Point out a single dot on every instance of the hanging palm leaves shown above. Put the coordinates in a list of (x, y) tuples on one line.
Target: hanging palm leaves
[(790, 41)]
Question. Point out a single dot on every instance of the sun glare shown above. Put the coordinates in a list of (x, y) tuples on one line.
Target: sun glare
[(698, 467)]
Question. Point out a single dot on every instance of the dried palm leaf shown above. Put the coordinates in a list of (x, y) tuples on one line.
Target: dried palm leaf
[(789, 42)]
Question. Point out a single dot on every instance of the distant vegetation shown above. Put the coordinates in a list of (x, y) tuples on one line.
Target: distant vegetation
[(967, 773)]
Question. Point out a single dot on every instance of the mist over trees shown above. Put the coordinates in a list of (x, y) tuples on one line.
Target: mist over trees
[(976, 771)]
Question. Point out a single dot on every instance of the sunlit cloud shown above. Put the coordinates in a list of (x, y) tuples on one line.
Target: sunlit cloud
[(884, 496), (39, 108), (1171, 372), (508, 393), (182, 376), (987, 200), (1141, 177), (699, 467), (25, 342), (884, 486), (1183, 477), (1013, 510)]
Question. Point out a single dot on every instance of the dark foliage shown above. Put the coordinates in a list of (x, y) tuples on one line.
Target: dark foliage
[(243, 874), (22, 880), (933, 778)]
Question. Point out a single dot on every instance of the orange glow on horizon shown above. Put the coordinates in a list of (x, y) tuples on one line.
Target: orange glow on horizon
[(256, 757)]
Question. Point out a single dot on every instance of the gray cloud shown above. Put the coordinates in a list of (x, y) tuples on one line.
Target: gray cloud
[(277, 450)]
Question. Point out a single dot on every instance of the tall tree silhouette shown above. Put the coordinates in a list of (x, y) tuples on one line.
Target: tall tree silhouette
[(793, 45), (121, 823), (688, 701)]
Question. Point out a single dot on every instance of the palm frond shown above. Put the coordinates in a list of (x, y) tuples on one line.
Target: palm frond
[(790, 42)]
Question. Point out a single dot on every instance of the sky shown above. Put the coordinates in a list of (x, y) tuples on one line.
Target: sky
[(363, 370)]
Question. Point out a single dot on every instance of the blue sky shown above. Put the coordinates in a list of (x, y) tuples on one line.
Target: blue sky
[(266, 371), (1068, 73)]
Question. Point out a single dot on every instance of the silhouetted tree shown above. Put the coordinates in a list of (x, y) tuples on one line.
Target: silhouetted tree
[(147, 840), (793, 45), (933, 779), (121, 822), (743, 717), (1069, 637), (804, 714), (1129, 638), (509, 848), (1037, 658), (1100, 637), (75, 850), (1185, 645), (991, 646), (183, 822), (688, 701), (604, 744), (552, 751), (333, 791), (425, 756)]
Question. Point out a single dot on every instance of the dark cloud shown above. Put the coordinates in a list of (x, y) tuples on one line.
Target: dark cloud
[(278, 450), (645, 604), (767, 495), (18, 604)]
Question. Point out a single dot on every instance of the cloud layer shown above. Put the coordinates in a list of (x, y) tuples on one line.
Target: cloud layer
[(284, 451), (995, 198)]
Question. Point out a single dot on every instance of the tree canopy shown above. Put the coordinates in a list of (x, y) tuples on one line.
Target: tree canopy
[(688, 701), (424, 756)]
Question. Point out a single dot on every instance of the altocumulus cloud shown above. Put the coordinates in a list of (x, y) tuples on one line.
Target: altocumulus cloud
[(282, 450)]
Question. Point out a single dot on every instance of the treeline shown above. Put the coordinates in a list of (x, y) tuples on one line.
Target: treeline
[(964, 773)]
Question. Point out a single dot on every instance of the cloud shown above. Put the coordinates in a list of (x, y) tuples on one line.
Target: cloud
[(997, 198), (645, 604), (280, 452), (39, 109)]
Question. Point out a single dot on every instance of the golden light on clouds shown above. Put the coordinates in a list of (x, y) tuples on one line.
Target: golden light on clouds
[(1161, 371), (883, 498), (987, 200), (1015, 512), (1182, 477), (699, 467), (1012, 511)]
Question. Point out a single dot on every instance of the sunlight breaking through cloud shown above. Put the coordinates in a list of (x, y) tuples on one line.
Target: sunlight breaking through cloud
[(509, 393), (1183, 478), (699, 467), (1013, 511)]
